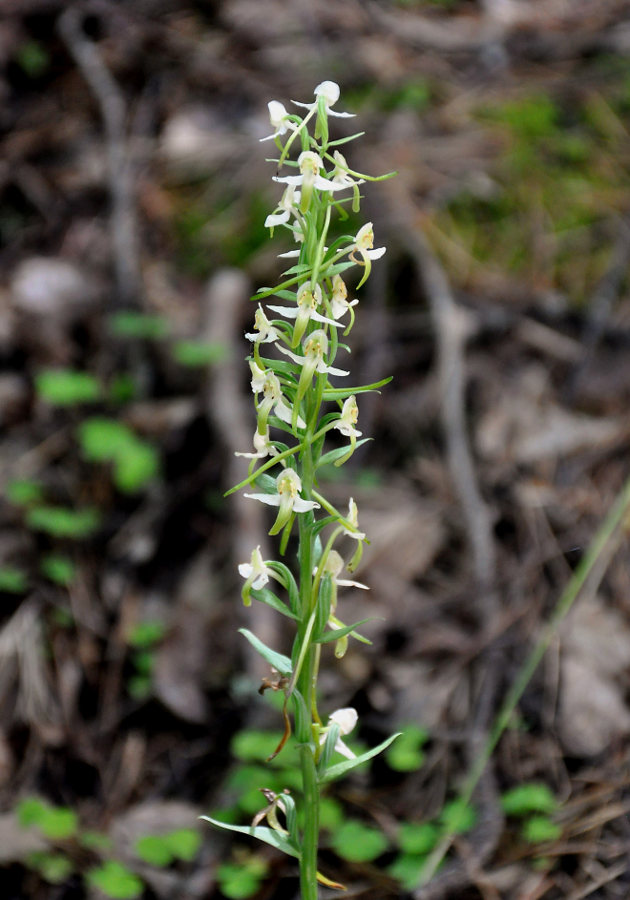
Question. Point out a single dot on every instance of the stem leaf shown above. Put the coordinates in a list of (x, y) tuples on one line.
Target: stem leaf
[(263, 595), (339, 394), (337, 633), (343, 768), (278, 660), (333, 455), (261, 833)]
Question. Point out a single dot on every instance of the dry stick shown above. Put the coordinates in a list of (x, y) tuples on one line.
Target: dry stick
[(616, 517), (226, 295), (451, 328), (600, 307), (123, 220)]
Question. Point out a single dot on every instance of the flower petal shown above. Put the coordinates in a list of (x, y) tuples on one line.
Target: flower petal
[(269, 499)]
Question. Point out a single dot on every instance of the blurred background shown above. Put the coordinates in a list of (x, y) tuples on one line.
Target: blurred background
[(134, 191)]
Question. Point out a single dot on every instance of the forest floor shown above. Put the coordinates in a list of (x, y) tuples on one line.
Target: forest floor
[(134, 191)]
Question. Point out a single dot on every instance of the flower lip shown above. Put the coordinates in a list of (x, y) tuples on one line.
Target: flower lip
[(346, 719), (255, 571)]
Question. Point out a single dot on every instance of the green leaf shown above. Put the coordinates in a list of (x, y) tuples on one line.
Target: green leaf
[(329, 748), (154, 849), (122, 388), (241, 880), (263, 595), (58, 568), (147, 326), (406, 754), (261, 833), (337, 633), (136, 462), (52, 867), (23, 492), (337, 394), (115, 880), (343, 768), (457, 817), (333, 455), (146, 634), (30, 811), (103, 439), (61, 522), (184, 843), (33, 58), (55, 822), (94, 840), (65, 387), (528, 798), (252, 745), (140, 687), (58, 823), (136, 466), (407, 869), (144, 661), (418, 838), (289, 580), (331, 814), (277, 660), (196, 354), (13, 580), (540, 829), (356, 842)]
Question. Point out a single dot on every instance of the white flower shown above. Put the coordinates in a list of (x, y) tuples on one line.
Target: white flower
[(349, 418), (287, 498), (309, 164), (346, 719), (329, 90), (307, 302), (258, 376), (364, 242), (287, 207), (364, 246), (341, 174), (278, 116), (334, 567), (256, 572), (353, 518), (315, 347), (339, 302), (273, 400), (266, 332), (262, 446)]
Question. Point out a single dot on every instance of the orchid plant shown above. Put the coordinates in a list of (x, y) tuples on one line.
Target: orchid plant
[(294, 349)]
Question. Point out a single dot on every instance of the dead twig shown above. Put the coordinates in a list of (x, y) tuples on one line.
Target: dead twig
[(600, 306), (113, 110), (452, 329)]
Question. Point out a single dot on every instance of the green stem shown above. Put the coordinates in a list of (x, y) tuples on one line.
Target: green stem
[(310, 836), (310, 786)]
